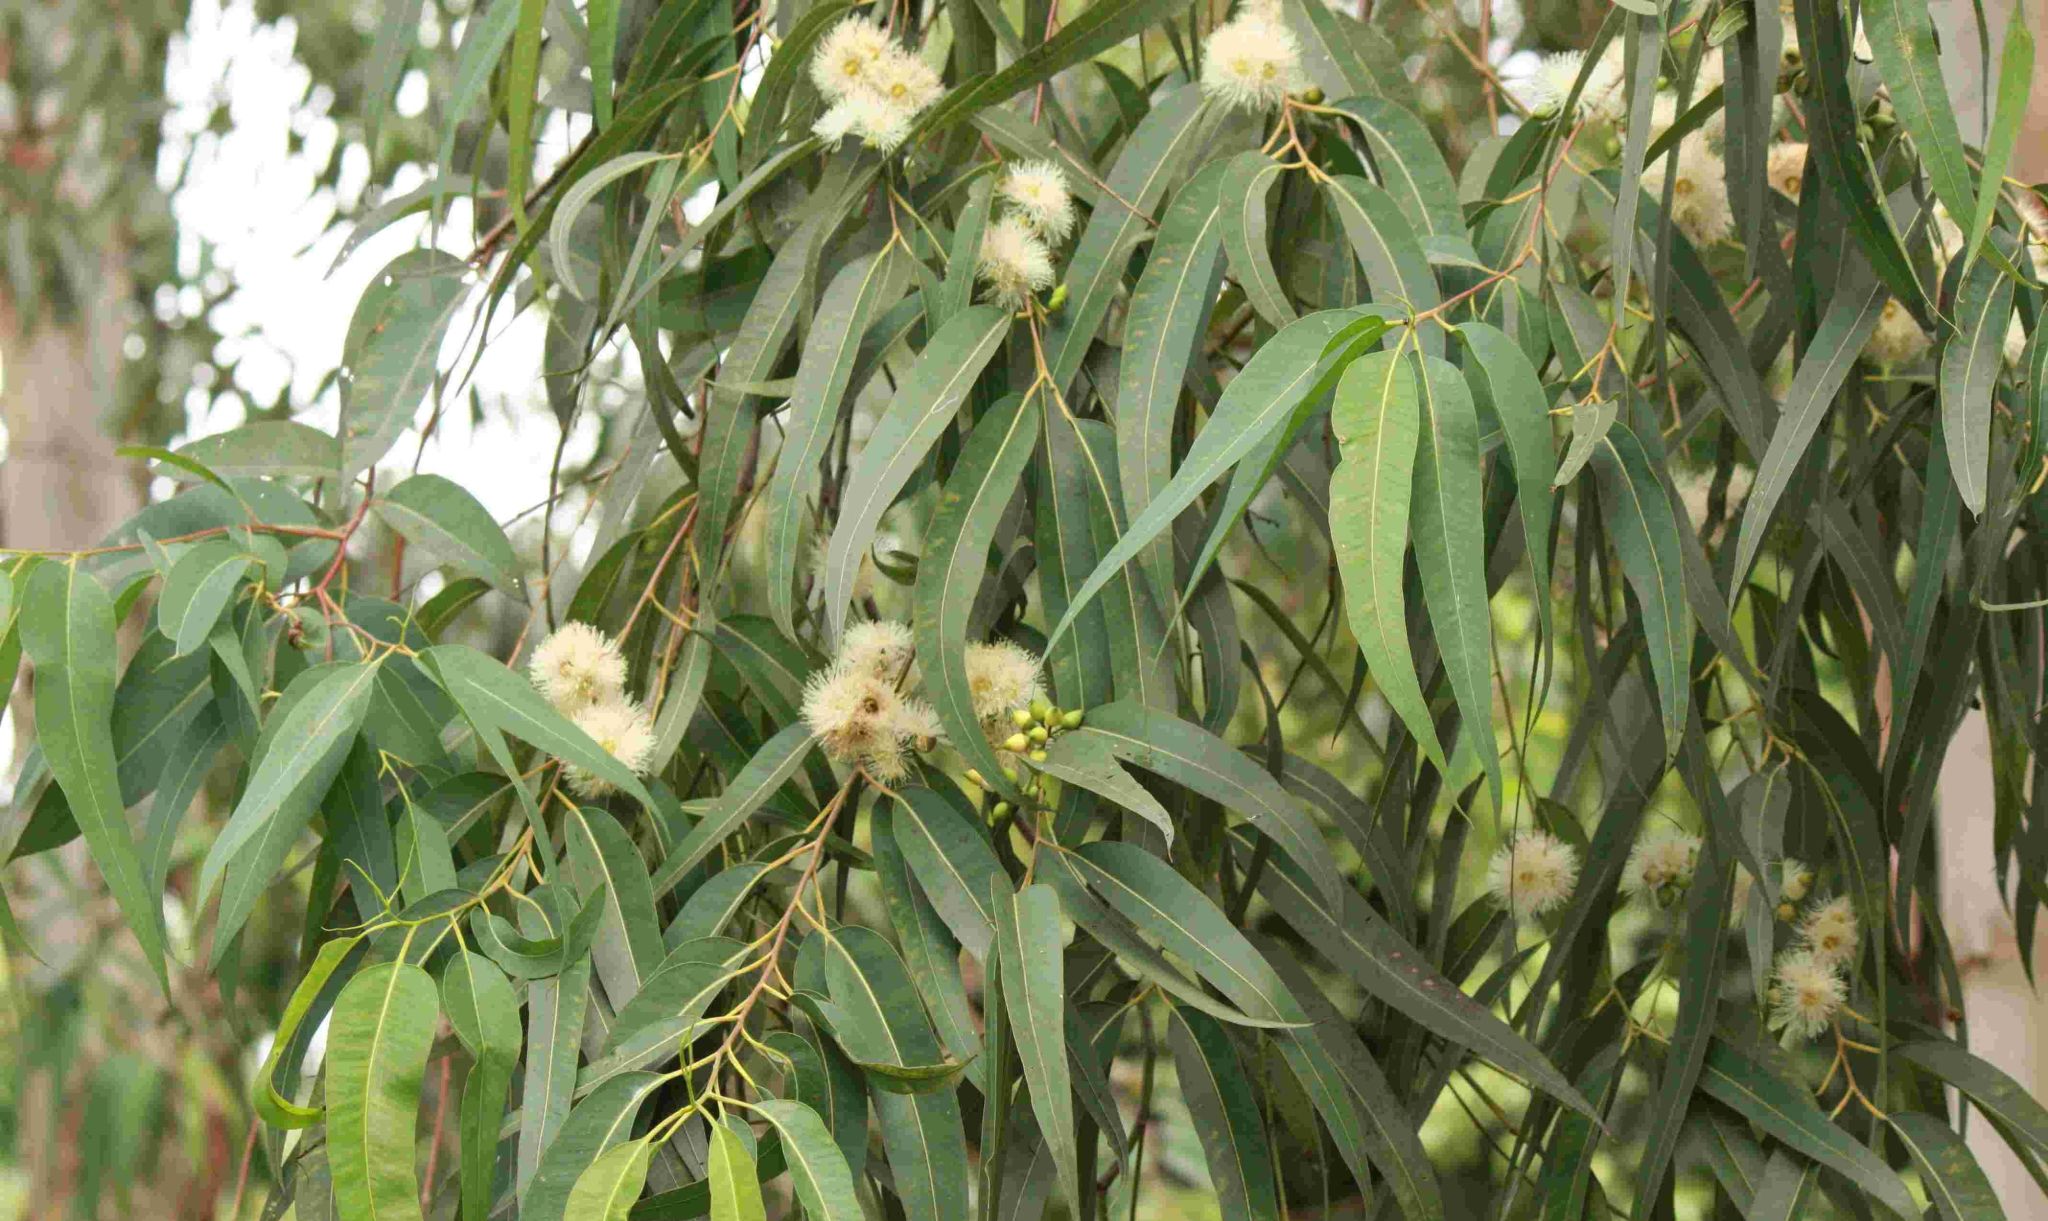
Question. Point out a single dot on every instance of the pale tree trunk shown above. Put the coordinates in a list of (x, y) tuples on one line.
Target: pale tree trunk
[(2008, 1018)]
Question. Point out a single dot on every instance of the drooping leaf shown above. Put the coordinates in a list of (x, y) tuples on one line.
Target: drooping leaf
[(379, 1036)]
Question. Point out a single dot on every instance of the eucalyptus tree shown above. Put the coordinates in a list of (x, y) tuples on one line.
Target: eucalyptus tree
[(1142, 596)]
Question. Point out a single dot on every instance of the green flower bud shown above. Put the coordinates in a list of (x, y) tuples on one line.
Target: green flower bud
[(1002, 809), (1036, 756), (1041, 709), (1038, 734), (1020, 717), (1016, 742), (1010, 774), (974, 778), (1071, 719)]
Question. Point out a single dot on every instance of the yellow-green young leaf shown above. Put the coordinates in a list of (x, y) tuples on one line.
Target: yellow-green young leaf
[(924, 404), (67, 630), (1949, 1172), (1242, 201), (388, 357), (275, 1109), (600, 1120), (956, 560), (1035, 992), (735, 1192), (377, 1044), (606, 1191), (824, 1184), (1450, 554), (441, 518), (1646, 537), (1377, 418)]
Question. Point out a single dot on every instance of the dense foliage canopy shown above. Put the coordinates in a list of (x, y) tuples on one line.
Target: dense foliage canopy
[(1154, 599)]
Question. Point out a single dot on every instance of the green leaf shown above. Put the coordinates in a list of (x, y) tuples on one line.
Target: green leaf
[(1262, 395), (1781, 1191), (304, 741), (1096, 29), (1087, 762), (606, 1191), (2018, 1115), (1410, 165), (1395, 267), (824, 1184), (855, 296), (1227, 1117), (1646, 537), (1949, 1172), (282, 448), (1450, 553), (555, 1011), (883, 1022), (276, 1110), (494, 698), (1969, 367), (1165, 324), (735, 1192), (606, 868), (441, 518), (928, 946), (953, 862), (483, 1010), (67, 630), (198, 589), (1192, 757), (388, 358), (377, 1045), (1830, 355), (771, 767), (1359, 942), (1504, 384), (955, 561), (1248, 179), (1035, 993), (601, 1120), (924, 404), (1377, 419), (1787, 1113), (1708, 902), (2008, 116), (1902, 40)]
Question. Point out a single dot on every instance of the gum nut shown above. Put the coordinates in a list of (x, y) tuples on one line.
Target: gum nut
[(1020, 717), (1016, 742), (1313, 97), (1002, 809), (1036, 756), (1071, 719), (1038, 734), (1010, 774)]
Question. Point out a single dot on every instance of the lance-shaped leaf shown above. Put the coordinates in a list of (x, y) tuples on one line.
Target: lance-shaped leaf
[(276, 1110), (1359, 942), (1901, 36), (1242, 202), (1377, 418), (198, 588), (602, 1120), (824, 1184), (923, 406), (67, 630), (1263, 394), (483, 1010), (555, 1010), (929, 948), (1035, 992), (1192, 757), (606, 1190), (440, 517), (2008, 116), (857, 294), (1969, 366), (1948, 1170), (953, 862), (607, 869), (496, 699), (1168, 310), (1450, 552), (1098, 28), (735, 1190), (388, 357), (1787, 1112), (1410, 166), (377, 1044), (1852, 316), (1227, 1117), (771, 767), (1395, 266), (882, 1021), (1088, 763), (1505, 383), (955, 560), (1646, 536), (2020, 1118)]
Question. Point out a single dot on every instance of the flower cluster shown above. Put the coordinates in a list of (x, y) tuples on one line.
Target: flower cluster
[(1661, 865), (1811, 981), (1532, 873), (1252, 61), (582, 672), (876, 86), (1015, 260), (857, 706)]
